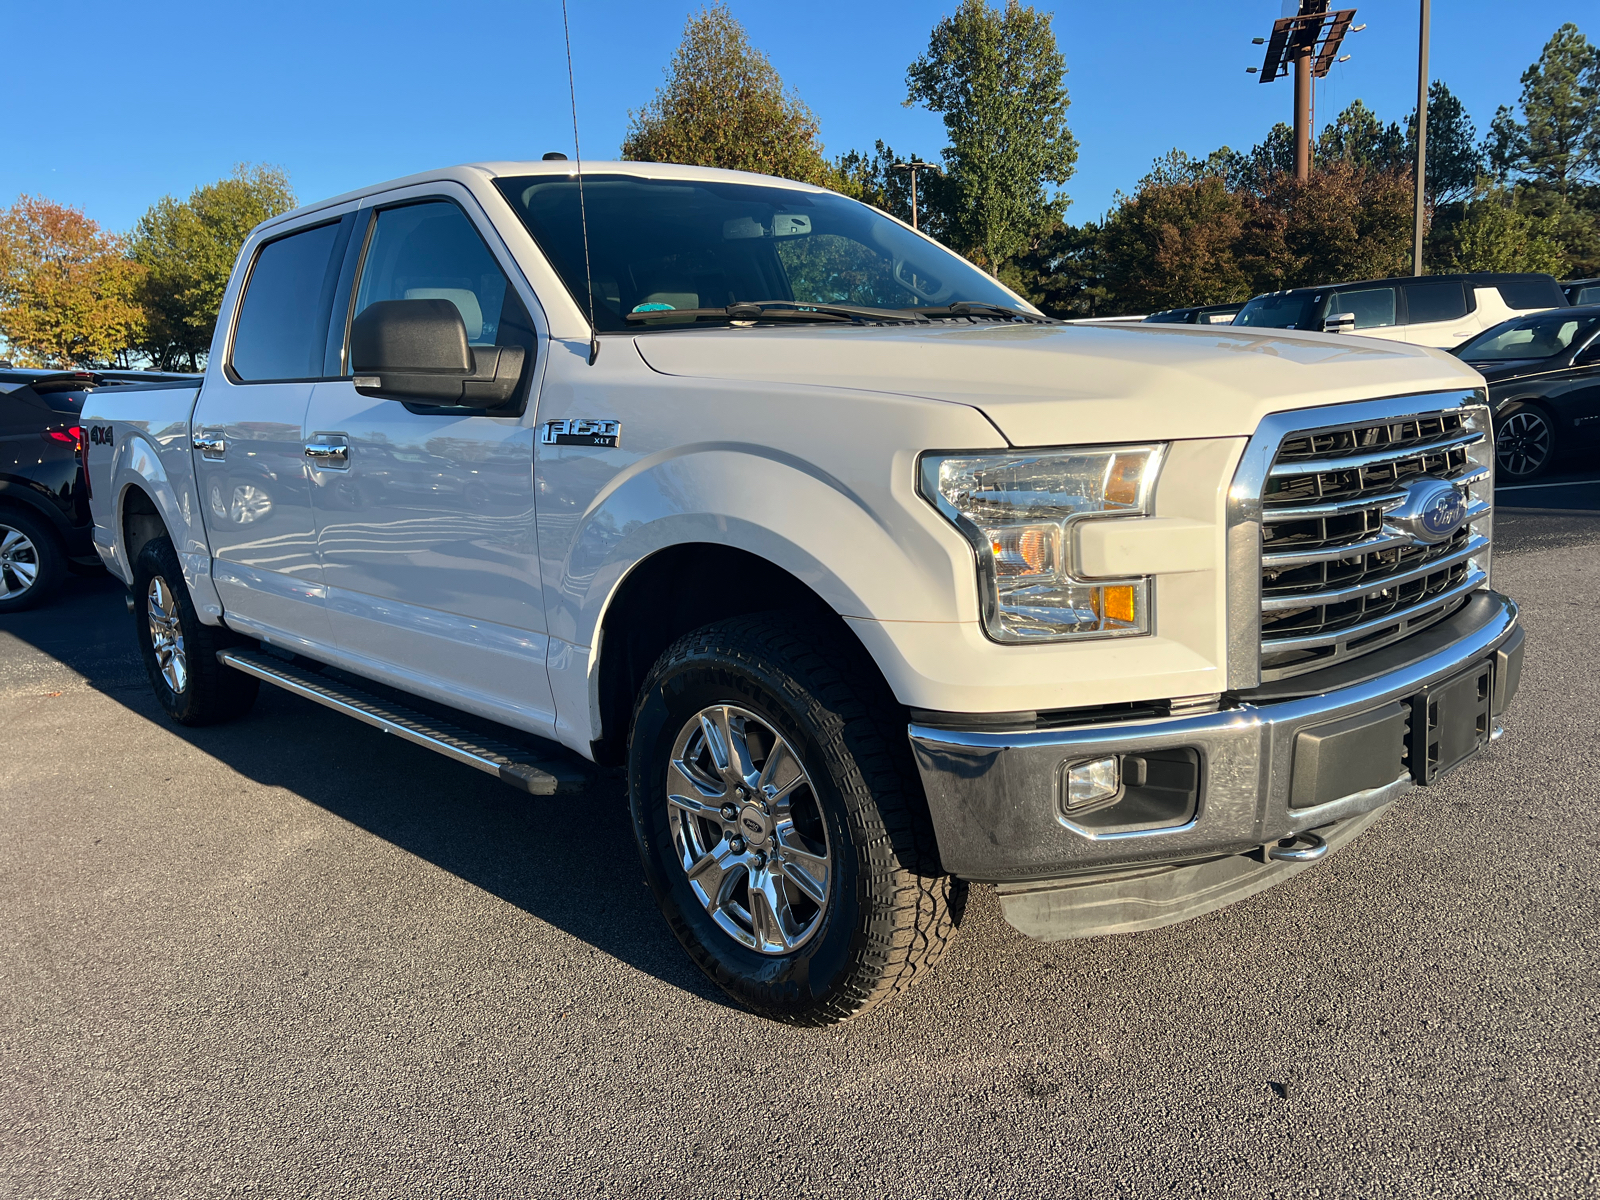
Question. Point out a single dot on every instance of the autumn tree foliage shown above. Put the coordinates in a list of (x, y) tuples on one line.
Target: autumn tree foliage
[(724, 105), (67, 288)]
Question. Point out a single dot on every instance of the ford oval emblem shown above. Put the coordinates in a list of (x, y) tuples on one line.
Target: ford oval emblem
[(1433, 509)]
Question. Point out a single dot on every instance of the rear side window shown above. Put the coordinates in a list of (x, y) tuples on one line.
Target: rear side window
[(1429, 302), (1587, 295), (283, 320), (1531, 293), (1373, 307)]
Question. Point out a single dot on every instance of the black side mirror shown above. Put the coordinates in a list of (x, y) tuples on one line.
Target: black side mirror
[(417, 350)]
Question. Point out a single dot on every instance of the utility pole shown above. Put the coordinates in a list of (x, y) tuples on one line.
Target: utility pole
[(1308, 36), (913, 167), (1422, 142)]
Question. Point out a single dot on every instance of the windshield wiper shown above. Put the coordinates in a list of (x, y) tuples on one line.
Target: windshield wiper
[(787, 310), (980, 308)]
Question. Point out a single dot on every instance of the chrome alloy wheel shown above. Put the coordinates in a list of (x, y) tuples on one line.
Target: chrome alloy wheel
[(166, 634), (748, 829), (1523, 444), (19, 562)]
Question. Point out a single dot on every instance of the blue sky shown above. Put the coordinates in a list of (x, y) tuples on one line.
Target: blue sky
[(168, 95)]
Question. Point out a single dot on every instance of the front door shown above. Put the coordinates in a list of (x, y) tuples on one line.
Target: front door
[(249, 442), (425, 515)]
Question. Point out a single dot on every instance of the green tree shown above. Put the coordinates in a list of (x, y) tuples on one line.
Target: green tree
[(1454, 158), (724, 105), (1494, 233), (1356, 136), (874, 179), (188, 249), (999, 79), (67, 288), (1558, 140), (1256, 168)]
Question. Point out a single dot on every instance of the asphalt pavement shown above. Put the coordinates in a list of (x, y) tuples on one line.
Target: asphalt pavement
[(293, 957)]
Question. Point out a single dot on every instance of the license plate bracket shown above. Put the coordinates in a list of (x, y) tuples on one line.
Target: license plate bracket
[(1450, 722)]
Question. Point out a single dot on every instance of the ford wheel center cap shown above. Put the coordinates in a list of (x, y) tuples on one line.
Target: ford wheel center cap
[(1433, 509)]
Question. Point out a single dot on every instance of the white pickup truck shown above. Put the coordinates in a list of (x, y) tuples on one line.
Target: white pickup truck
[(876, 581)]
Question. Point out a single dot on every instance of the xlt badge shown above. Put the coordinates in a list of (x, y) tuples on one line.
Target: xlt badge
[(581, 431)]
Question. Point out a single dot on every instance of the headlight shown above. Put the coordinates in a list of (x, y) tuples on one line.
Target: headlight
[(1018, 509)]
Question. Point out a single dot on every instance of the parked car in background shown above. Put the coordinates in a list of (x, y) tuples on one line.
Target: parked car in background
[(1204, 314), (1582, 291), (1434, 310), (45, 526), (1544, 387)]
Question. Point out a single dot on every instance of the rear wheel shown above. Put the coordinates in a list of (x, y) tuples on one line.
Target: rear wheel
[(180, 654), (32, 564), (782, 824), (1525, 444)]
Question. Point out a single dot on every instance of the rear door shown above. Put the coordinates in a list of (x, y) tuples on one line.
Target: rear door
[(1436, 314), (248, 430), (425, 514)]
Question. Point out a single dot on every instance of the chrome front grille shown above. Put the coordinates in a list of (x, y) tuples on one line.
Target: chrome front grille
[(1338, 577)]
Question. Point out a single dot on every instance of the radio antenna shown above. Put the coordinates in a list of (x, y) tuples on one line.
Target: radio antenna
[(583, 213)]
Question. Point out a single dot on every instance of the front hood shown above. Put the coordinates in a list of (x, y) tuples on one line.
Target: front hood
[(1056, 384)]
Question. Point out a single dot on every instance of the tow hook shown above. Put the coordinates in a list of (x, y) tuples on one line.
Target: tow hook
[(1297, 848)]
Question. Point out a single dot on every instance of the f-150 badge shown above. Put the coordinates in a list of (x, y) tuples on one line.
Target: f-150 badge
[(581, 431)]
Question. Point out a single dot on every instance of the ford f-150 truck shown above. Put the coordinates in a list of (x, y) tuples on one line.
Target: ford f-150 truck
[(875, 581)]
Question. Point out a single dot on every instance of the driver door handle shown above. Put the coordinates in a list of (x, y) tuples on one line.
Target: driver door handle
[(328, 450)]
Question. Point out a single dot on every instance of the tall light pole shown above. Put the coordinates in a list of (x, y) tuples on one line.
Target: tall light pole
[(914, 166), (1422, 141)]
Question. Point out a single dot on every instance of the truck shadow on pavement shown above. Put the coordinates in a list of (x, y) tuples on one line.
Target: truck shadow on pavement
[(569, 861)]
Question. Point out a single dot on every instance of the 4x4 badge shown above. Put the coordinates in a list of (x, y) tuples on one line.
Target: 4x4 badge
[(581, 431)]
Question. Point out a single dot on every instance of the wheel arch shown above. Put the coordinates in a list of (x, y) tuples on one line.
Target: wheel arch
[(674, 591)]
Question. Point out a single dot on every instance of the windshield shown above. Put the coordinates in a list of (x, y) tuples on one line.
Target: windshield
[(665, 245), (1528, 337), (1282, 310)]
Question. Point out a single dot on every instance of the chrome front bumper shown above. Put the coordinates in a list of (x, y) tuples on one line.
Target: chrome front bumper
[(994, 796)]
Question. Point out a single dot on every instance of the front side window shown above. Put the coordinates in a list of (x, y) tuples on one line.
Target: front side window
[(662, 245), (431, 252), (1373, 307), (1429, 302), (283, 319), (1543, 336)]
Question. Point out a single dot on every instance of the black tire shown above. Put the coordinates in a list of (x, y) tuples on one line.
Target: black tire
[(205, 692), (891, 911), (32, 562), (1525, 443)]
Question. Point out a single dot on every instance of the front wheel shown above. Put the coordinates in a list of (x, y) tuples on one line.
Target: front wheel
[(180, 654), (781, 821), (1525, 444)]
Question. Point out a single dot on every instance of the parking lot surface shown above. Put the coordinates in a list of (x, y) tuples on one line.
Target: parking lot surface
[(293, 957)]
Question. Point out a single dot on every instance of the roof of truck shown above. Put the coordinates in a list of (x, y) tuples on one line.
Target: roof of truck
[(494, 170)]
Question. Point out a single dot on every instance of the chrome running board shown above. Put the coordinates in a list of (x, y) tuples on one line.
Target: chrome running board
[(522, 768)]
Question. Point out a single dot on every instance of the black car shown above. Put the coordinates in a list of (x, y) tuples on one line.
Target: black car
[(1544, 386), (1582, 291), (45, 527), (1203, 314)]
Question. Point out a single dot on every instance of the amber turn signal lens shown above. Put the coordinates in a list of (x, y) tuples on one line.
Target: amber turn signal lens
[(1119, 604)]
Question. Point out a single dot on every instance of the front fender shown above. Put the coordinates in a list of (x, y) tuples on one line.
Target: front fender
[(880, 554)]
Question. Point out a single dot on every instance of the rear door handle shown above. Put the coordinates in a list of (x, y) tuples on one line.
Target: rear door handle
[(328, 450), (210, 443)]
